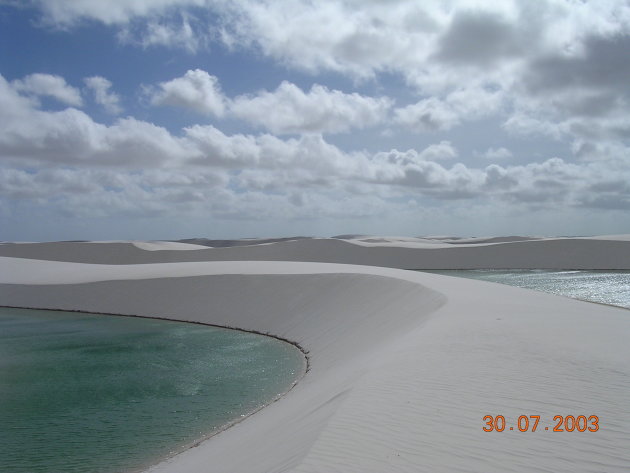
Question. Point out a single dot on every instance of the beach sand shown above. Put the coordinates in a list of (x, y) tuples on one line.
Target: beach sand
[(403, 365)]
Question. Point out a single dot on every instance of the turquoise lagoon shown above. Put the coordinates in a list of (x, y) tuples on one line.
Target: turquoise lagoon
[(94, 393)]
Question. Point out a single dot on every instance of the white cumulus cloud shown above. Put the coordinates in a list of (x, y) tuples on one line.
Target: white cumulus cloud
[(51, 86), (70, 136), (100, 87), (288, 109), (133, 167), (196, 90)]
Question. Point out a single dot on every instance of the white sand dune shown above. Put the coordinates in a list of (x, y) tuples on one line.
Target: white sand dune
[(166, 245), (552, 253), (403, 365), (623, 237), (431, 241)]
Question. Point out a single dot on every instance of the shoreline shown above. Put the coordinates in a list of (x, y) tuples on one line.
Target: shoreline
[(404, 364), (192, 322)]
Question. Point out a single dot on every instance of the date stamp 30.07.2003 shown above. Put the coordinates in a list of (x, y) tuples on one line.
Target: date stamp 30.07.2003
[(531, 423)]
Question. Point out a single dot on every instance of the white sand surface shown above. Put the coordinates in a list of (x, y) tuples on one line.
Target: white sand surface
[(621, 237), (403, 365), (166, 245)]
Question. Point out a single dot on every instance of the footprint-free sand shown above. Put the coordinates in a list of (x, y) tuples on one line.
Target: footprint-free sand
[(403, 365)]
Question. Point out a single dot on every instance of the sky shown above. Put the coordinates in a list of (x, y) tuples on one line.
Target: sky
[(168, 119)]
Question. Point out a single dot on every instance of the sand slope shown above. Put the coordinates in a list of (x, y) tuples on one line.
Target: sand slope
[(404, 365)]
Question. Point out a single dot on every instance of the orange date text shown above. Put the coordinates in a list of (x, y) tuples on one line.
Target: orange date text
[(531, 424)]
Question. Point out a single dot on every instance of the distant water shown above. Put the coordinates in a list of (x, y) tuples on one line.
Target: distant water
[(100, 394), (608, 287)]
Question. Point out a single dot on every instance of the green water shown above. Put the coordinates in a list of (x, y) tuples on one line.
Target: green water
[(93, 393), (607, 287)]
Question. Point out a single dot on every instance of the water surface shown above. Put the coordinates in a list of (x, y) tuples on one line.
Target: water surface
[(101, 394), (607, 287)]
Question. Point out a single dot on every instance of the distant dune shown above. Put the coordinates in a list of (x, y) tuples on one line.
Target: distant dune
[(241, 242), (550, 253), (506, 239)]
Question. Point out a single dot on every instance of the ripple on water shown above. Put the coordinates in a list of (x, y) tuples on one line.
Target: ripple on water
[(607, 287)]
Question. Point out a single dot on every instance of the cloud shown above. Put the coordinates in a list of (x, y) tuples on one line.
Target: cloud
[(580, 95), (51, 86), (67, 160), (427, 115), (329, 35), (496, 154), (480, 38), (498, 178), (530, 124), (165, 32), (436, 114), (71, 136), (440, 151), (364, 38), (196, 90), (572, 65), (100, 87), (64, 13), (101, 193), (217, 149), (590, 83), (289, 110), (269, 153), (556, 68), (600, 64)]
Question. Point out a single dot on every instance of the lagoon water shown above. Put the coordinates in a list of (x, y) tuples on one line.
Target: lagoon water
[(101, 394), (607, 287)]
